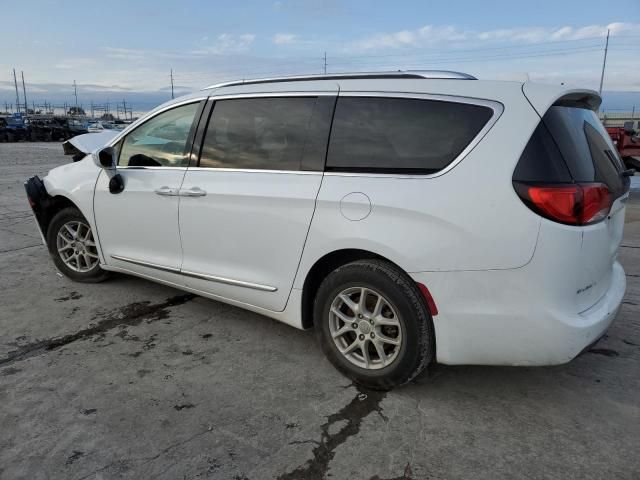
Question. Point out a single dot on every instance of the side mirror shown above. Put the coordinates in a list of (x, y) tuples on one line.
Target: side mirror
[(107, 158)]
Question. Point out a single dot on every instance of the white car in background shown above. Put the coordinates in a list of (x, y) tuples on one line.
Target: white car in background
[(408, 217), (95, 127)]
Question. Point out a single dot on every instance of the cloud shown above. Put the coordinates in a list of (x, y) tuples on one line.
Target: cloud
[(285, 38), (432, 35), (227, 43), (75, 63)]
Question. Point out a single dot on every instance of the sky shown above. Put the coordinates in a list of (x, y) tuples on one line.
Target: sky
[(124, 50)]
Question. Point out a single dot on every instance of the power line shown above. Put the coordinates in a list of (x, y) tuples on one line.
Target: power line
[(604, 62), (592, 42), (171, 75), (15, 82), (24, 93), (75, 93), (466, 59)]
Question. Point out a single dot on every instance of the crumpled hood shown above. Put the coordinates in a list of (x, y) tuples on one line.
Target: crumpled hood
[(82, 145)]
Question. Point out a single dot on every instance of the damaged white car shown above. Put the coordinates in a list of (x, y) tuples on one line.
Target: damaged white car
[(459, 221)]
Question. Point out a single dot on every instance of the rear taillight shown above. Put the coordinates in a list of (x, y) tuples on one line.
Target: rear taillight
[(571, 204)]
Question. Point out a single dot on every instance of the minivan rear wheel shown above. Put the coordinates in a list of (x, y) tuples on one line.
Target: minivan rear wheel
[(373, 324)]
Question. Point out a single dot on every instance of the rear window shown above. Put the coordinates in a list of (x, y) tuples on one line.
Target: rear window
[(401, 134), (571, 145)]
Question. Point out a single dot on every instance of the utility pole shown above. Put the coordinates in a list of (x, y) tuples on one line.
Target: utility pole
[(75, 93), (604, 62), (171, 74), (24, 91), (15, 82), (325, 63)]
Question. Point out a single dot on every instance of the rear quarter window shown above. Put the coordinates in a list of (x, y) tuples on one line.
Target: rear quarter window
[(571, 145), (373, 134)]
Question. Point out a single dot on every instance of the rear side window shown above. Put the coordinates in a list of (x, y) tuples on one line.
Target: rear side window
[(571, 145), (258, 133), (375, 134)]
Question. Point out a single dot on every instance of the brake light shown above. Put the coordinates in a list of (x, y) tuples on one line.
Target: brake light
[(571, 204)]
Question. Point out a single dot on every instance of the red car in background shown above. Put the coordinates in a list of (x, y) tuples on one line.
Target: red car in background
[(627, 141)]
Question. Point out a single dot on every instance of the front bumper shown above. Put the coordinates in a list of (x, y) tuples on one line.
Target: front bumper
[(39, 201), (497, 318)]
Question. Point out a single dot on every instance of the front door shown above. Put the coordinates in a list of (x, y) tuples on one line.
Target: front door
[(245, 210), (138, 228)]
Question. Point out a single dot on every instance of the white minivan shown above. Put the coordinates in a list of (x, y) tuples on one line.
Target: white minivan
[(408, 217)]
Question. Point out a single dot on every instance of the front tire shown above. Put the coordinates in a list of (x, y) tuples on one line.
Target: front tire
[(73, 248), (373, 324)]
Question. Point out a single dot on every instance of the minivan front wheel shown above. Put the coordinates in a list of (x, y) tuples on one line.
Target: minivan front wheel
[(73, 248), (373, 324)]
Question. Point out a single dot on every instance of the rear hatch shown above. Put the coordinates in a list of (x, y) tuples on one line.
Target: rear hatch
[(571, 174)]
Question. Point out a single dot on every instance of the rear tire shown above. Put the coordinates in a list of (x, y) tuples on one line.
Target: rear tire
[(383, 341), (72, 247)]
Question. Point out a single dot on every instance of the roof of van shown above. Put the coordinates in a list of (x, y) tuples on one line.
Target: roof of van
[(436, 83)]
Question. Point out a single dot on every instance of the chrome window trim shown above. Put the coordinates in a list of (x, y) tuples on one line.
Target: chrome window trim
[(497, 107), (255, 170), (149, 116), (202, 276), (164, 167)]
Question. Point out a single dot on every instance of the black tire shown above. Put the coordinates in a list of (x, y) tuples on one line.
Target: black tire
[(417, 347), (64, 216)]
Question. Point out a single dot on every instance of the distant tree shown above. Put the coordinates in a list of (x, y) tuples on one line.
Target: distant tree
[(30, 111), (76, 111), (107, 117)]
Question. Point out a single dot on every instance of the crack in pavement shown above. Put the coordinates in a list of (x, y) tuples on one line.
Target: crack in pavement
[(364, 403), (130, 315), (146, 460), (21, 248), (407, 474)]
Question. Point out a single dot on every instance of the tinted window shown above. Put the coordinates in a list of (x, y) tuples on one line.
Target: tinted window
[(585, 146), (541, 160), (257, 133), (387, 134), (161, 141)]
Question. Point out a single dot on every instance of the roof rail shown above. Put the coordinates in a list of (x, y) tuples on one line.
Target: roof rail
[(425, 74)]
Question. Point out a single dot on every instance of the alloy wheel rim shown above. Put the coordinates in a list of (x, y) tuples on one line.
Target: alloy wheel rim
[(76, 246), (365, 328)]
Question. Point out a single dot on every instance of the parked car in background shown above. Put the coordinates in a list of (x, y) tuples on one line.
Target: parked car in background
[(94, 127), (13, 128), (627, 141), (408, 217)]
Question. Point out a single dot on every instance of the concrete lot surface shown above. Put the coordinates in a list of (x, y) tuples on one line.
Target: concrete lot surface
[(129, 379)]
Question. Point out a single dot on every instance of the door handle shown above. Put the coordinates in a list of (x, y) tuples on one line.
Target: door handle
[(192, 192), (166, 191)]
